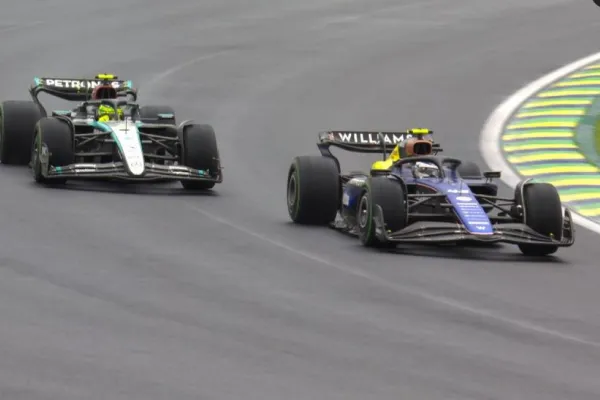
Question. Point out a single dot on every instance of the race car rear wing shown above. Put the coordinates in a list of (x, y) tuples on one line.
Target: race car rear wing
[(368, 141), (71, 89)]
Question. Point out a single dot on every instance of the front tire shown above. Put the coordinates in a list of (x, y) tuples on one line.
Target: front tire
[(542, 210), (200, 151), (17, 124), (389, 194), (313, 190), (55, 137)]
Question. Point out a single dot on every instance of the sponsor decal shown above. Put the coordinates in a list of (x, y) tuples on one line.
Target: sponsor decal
[(179, 170), (132, 150), (464, 198), (85, 167), (357, 181), (135, 163), (472, 205), (77, 83), (370, 138), (474, 218), (458, 191), (345, 199)]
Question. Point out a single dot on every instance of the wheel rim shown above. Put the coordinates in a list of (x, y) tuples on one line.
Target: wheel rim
[(292, 192), (363, 211)]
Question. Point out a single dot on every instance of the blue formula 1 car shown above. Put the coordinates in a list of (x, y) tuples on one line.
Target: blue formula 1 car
[(415, 196)]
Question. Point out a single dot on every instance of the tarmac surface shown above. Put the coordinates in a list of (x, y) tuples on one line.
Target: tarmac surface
[(137, 292)]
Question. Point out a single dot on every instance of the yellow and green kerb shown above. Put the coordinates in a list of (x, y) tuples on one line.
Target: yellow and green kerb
[(540, 140)]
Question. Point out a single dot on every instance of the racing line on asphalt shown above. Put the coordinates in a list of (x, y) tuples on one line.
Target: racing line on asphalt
[(155, 80)]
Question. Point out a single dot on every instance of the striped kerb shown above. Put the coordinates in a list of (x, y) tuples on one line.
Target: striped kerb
[(538, 141)]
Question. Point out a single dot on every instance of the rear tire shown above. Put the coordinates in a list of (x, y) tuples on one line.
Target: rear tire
[(55, 137), (313, 190), (389, 195), (543, 213), (200, 151), (17, 125), (149, 114)]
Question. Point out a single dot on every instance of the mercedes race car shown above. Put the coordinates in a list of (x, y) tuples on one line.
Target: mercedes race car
[(108, 135), (415, 196)]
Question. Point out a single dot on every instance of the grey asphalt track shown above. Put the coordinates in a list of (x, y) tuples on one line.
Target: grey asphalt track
[(145, 293)]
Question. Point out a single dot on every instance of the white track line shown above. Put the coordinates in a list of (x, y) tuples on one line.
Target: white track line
[(489, 144), (472, 309), (490, 150)]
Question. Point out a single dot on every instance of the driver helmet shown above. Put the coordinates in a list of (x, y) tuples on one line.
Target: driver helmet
[(104, 111), (425, 170)]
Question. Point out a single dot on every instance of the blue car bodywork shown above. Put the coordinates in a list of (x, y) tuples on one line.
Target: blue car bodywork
[(456, 190), (446, 208)]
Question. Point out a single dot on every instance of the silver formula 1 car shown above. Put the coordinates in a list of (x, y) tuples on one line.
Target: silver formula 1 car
[(134, 143)]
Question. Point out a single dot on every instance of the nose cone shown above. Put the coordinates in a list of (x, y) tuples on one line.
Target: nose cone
[(131, 147)]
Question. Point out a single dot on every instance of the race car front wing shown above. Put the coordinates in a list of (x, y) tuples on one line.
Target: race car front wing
[(118, 171), (448, 232)]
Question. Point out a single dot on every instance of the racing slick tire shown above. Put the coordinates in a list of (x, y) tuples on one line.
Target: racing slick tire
[(149, 114), (313, 190), (17, 124), (469, 170), (389, 194), (199, 151), (542, 212), (56, 137)]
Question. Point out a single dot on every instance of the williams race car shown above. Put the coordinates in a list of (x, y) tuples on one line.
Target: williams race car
[(415, 196), (108, 135)]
